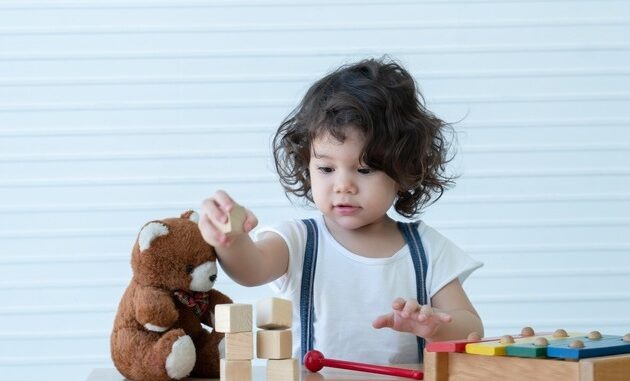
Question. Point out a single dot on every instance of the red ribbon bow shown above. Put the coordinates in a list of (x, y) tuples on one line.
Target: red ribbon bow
[(198, 301)]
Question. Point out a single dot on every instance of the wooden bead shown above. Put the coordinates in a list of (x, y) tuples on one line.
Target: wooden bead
[(594, 335), (626, 338), (541, 342), (527, 332), (474, 336), (577, 344), (560, 333), (507, 339)]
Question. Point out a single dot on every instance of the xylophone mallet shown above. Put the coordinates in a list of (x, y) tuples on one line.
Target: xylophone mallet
[(315, 361)]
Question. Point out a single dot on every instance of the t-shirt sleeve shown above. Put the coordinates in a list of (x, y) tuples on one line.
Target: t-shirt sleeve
[(447, 260), (293, 232)]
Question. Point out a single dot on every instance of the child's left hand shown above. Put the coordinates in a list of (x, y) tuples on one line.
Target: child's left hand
[(409, 316)]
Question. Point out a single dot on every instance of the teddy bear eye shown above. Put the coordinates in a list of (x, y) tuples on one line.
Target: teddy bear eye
[(189, 269)]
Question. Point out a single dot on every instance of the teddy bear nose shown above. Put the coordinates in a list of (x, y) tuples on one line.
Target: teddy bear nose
[(213, 278)]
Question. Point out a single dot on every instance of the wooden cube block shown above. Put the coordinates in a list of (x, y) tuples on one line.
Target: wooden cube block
[(283, 370), (235, 370), (274, 313), (231, 318), (239, 346), (235, 221), (274, 345)]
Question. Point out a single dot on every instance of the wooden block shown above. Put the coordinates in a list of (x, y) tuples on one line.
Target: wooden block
[(235, 221), (239, 346), (274, 313), (232, 318), (283, 370), (608, 345), (274, 345), (235, 370)]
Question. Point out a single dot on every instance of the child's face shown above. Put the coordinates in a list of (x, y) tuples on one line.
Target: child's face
[(344, 189)]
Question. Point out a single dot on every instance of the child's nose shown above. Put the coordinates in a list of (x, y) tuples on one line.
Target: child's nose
[(344, 184)]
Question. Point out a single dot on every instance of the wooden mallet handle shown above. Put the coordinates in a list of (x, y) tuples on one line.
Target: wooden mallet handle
[(315, 361)]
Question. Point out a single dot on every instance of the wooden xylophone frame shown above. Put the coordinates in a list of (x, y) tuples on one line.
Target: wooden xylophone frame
[(453, 366)]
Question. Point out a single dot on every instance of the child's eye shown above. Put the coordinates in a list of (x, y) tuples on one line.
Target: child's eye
[(365, 171), (325, 169)]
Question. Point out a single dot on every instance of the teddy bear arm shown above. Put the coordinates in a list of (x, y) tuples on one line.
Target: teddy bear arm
[(155, 310)]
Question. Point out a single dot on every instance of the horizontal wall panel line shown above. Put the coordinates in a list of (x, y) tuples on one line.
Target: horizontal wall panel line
[(306, 78), (257, 153), (283, 202), (56, 131), (55, 335), (580, 297), (70, 309), (130, 29), (583, 273), (317, 52), (543, 123), (547, 248), (288, 104), (247, 178), (132, 207), (270, 128), (479, 224), (35, 259), (138, 155), (138, 180), (77, 284), (534, 322), (75, 359), (195, 4)]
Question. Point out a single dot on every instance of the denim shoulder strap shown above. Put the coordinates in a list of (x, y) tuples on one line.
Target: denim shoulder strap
[(419, 258), (307, 308)]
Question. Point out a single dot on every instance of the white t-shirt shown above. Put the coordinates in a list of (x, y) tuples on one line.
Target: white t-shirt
[(350, 291)]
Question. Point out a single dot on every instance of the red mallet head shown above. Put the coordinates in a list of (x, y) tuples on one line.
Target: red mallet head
[(314, 361)]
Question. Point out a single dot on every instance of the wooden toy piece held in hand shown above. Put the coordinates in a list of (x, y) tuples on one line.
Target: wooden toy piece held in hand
[(235, 220)]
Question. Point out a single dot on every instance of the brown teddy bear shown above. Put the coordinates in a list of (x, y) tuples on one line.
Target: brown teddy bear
[(157, 333)]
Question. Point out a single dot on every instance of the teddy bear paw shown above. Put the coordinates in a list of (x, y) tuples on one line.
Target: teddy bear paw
[(181, 360)]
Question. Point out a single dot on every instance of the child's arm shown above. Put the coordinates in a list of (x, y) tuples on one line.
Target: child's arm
[(451, 317), (249, 263)]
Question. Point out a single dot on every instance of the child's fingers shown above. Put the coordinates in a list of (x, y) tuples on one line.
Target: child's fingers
[(210, 233), (398, 304), (211, 208), (250, 221), (411, 307), (384, 321), (224, 200), (425, 313)]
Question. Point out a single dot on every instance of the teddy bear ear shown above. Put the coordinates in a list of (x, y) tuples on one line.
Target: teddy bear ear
[(149, 232), (191, 215)]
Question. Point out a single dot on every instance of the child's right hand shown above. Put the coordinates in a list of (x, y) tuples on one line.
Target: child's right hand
[(214, 212)]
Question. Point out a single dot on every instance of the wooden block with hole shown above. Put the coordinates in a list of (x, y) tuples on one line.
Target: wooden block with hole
[(235, 221), (283, 370), (274, 313), (232, 318), (235, 370), (274, 345), (239, 346)]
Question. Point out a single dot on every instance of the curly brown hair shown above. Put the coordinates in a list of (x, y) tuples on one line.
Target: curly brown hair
[(403, 138)]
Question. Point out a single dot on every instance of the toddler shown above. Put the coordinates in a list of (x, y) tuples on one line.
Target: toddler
[(359, 143)]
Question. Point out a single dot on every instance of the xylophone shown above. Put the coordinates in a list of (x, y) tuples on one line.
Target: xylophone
[(558, 356)]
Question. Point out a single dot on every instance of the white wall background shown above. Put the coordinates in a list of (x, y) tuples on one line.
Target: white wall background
[(113, 113)]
